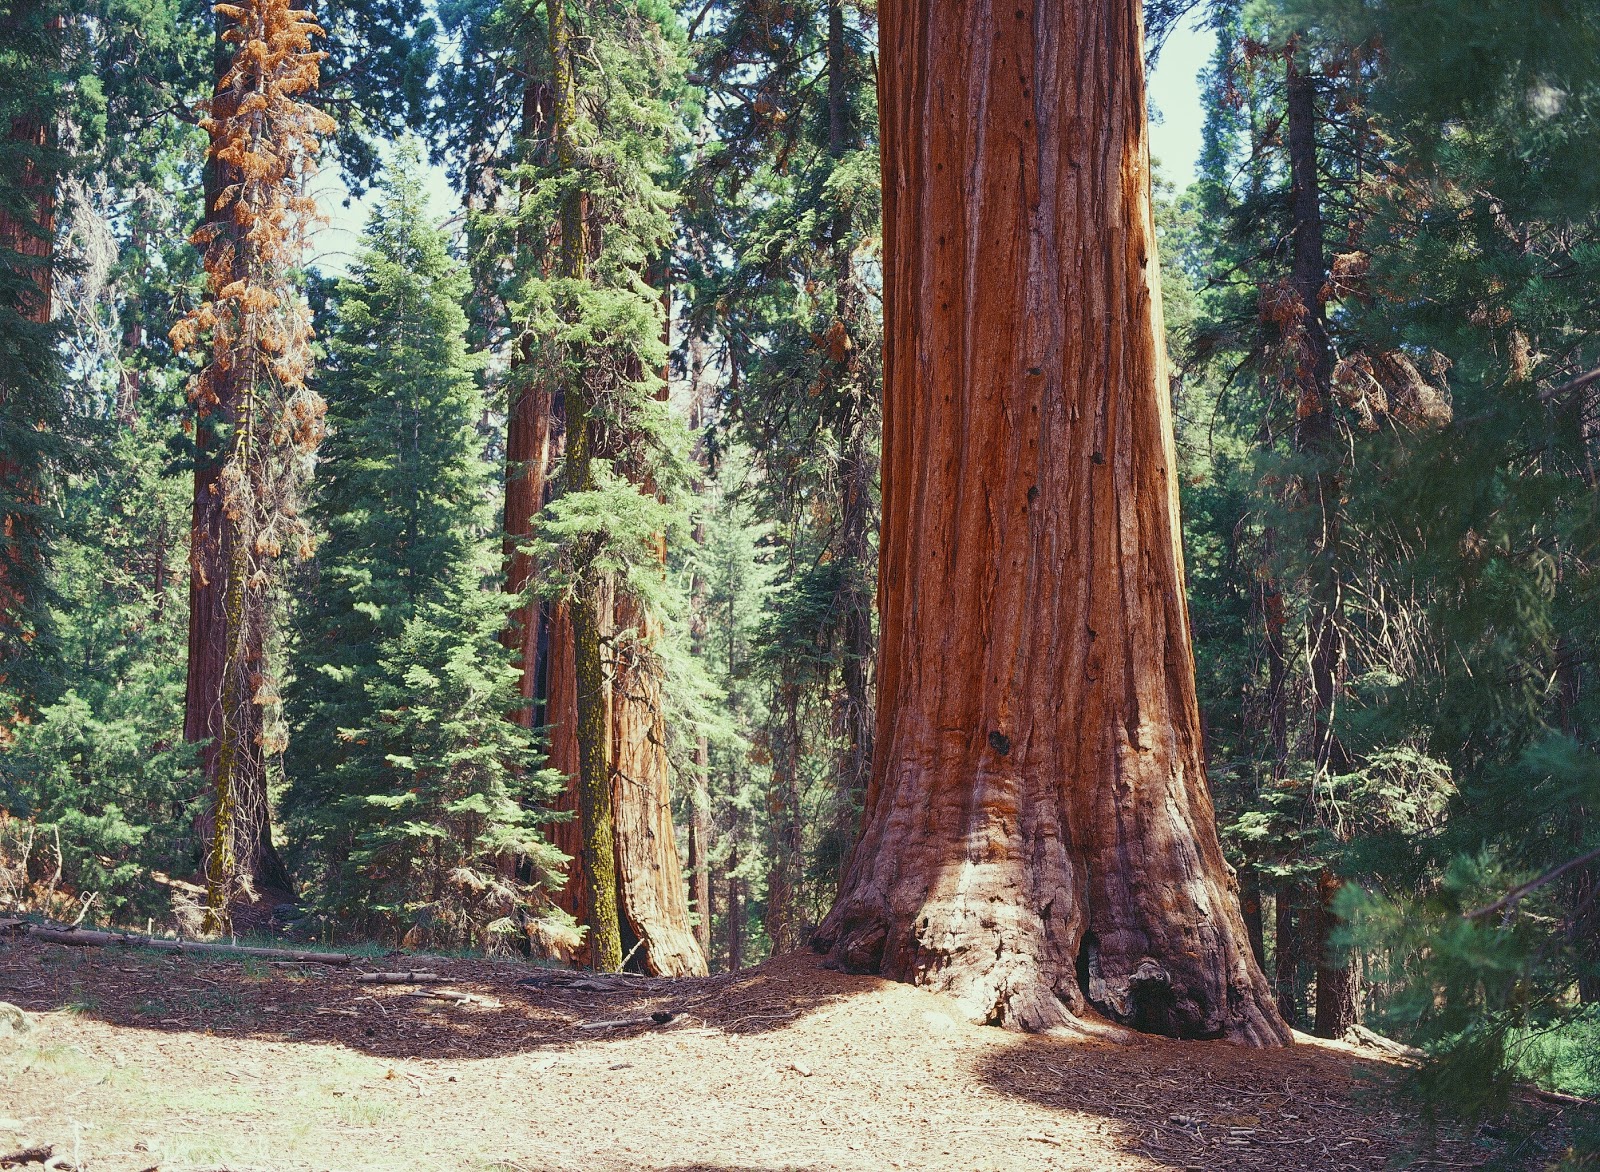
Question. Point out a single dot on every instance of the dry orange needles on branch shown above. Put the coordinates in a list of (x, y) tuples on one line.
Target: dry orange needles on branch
[(257, 329)]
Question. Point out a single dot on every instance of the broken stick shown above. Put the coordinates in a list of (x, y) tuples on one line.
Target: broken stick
[(405, 978), (89, 938)]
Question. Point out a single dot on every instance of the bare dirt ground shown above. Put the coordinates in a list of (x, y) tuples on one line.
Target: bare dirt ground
[(140, 1061)]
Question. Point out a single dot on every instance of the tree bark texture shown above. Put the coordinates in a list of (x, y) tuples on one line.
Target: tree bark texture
[(700, 897), (1286, 949), (32, 240), (651, 895), (735, 912), (1314, 436), (786, 832), (1039, 841), (531, 431), (654, 896), (528, 453), (1336, 976), (700, 900), (209, 556)]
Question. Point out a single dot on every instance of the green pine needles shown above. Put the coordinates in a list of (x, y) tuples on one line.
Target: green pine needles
[(411, 794)]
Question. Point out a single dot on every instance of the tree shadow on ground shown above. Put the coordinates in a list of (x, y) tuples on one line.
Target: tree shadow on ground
[(1212, 1105), (796, 1067), (512, 1007)]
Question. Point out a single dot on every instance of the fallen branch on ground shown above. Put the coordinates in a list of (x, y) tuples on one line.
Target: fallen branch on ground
[(454, 996), (88, 938), (587, 982), (660, 1018), (406, 978), (27, 1156)]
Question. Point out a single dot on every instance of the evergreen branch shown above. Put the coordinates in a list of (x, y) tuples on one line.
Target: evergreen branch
[(1575, 384), (1511, 898)]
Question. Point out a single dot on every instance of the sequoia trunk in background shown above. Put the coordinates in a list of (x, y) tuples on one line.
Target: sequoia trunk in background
[(654, 897), (651, 893), (27, 249), (209, 556), (532, 431), (32, 242), (1039, 841), (785, 827)]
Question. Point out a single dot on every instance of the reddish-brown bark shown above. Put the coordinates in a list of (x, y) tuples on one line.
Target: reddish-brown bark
[(209, 551), (1039, 841), (652, 895), (32, 239), (533, 427), (528, 456)]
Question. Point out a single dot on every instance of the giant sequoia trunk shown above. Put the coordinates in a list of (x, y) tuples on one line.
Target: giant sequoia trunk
[(1038, 841), (603, 695), (531, 438)]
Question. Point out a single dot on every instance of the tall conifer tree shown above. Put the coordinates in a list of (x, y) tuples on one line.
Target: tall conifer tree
[(32, 42), (405, 775), (257, 331)]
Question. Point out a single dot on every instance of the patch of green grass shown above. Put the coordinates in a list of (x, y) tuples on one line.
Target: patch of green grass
[(81, 1000), (1566, 1058), (72, 1064), (352, 1110)]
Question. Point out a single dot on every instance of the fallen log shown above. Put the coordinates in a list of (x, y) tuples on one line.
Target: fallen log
[(92, 938)]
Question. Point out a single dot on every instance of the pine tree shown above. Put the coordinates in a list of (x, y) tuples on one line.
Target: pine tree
[(1480, 250), (32, 43), (407, 783), (400, 493), (101, 765)]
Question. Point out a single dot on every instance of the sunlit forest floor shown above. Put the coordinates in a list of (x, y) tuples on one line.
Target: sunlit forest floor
[(134, 1061)]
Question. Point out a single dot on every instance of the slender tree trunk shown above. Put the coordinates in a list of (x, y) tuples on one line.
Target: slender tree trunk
[(1336, 974), (856, 473), (1286, 951), (1250, 908), (1314, 437), (700, 796), (1038, 804), (784, 825), (700, 850), (529, 434), (210, 554), (735, 911)]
